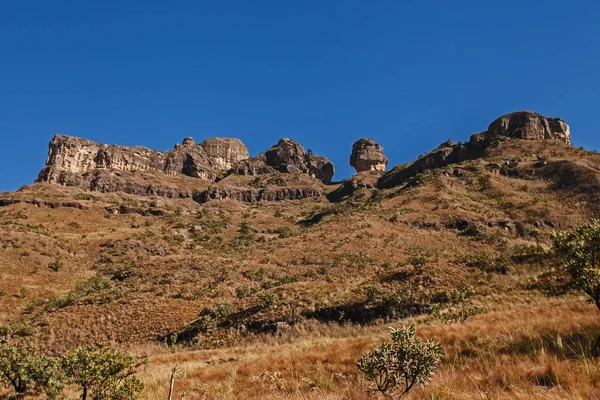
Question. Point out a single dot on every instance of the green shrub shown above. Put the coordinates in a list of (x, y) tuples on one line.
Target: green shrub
[(28, 372), (102, 373), (456, 305), (266, 300), (404, 363), (579, 251)]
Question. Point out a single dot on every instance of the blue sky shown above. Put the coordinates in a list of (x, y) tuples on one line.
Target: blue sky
[(409, 74)]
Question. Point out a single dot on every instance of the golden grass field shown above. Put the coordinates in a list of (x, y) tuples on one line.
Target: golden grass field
[(73, 272)]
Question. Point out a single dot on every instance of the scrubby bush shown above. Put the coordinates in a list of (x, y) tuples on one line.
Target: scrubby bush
[(266, 300), (404, 363), (456, 305), (102, 373), (580, 253), (28, 372)]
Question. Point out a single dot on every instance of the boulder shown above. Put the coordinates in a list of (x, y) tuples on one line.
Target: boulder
[(367, 155)]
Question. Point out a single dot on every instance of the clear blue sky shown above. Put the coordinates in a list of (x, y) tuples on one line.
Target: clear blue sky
[(409, 74)]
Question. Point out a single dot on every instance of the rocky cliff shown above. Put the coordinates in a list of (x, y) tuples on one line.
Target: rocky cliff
[(70, 158), (287, 156), (525, 125), (100, 167), (137, 170)]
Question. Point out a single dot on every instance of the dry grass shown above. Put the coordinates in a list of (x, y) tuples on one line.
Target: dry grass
[(535, 352), (159, 272)]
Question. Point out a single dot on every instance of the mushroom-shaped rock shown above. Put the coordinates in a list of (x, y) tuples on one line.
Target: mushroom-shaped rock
[(531, 126), (367, 155)]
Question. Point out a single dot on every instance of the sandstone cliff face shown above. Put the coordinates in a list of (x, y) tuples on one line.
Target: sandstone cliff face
[(530, 126), (224, 152), (287, 156), (137, 170), (367, 155), (69, 156), (521, 125)]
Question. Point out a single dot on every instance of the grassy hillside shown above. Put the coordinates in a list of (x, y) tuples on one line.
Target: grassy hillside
[(278, 300)]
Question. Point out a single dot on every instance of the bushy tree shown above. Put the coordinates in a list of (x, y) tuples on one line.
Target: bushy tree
[(580, 253), (402, 364), (28, 372), (102, 373)]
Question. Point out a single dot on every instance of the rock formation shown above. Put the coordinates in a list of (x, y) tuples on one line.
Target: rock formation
[(521, 125), (531, 126), (137, 170), (367, 155), (70, 157), (286, 156), (224, 152), (262, 188)]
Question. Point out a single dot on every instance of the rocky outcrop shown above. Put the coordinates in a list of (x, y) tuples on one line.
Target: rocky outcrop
[(254, 195), (367, 155), (252, 166), (224, 152), (261, 188), (287, 156), (69, 156), (530, 126), (521, 125), (363, 180)]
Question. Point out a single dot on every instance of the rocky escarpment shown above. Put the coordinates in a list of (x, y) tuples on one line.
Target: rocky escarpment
[(70, 159), (520, 125), (141, 171), (249, 189), (287, 156), (367, 155)]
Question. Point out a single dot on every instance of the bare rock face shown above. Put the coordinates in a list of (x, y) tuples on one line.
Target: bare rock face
[(71, 159), (367, 155), (287, 156), (225, 152), (525, 125), (262, 188), (252, 166), (530, 126)]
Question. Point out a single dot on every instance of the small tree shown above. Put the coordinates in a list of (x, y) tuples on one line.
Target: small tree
[(102, 373), (404, 363), (580, 251), (29, 372)]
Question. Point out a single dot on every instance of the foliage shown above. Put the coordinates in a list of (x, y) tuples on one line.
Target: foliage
[(266, 300), (580, 250), (29, 372), (456, 306), (402, 364), (102, 373)]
